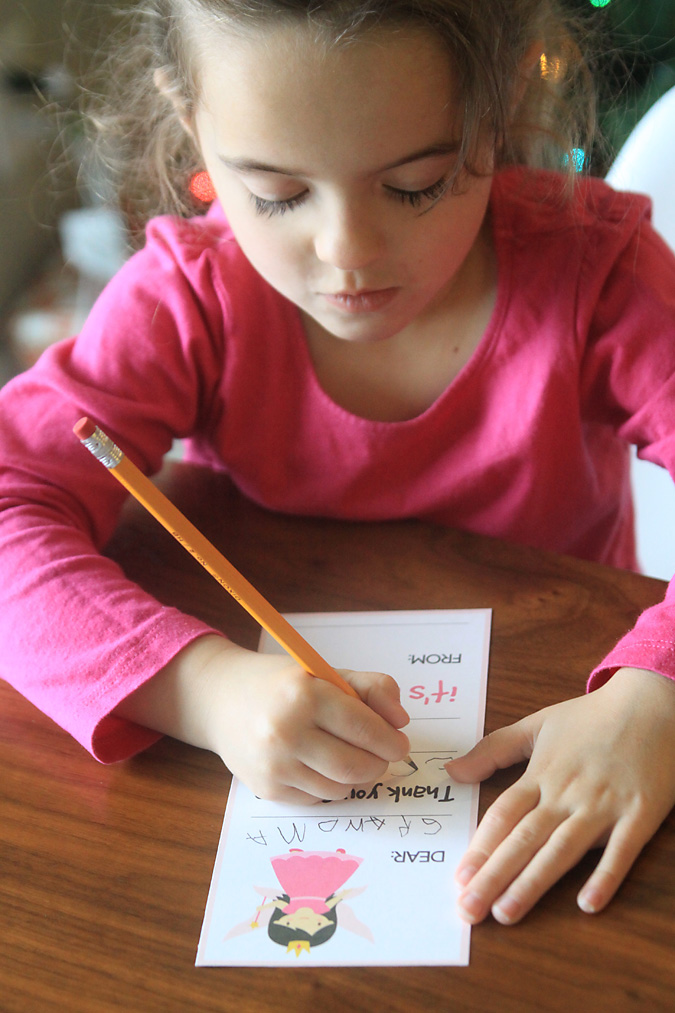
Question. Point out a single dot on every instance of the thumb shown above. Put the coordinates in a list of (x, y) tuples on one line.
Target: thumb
[(499, 749)]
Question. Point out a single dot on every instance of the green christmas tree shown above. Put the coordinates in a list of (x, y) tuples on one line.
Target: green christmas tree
[(635, 63)]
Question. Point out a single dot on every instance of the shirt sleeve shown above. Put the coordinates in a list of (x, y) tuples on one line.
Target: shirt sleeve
[(78, 637), (628, 385)]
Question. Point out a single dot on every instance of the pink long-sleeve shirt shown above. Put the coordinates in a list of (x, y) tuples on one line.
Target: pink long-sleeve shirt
[(528, 443)]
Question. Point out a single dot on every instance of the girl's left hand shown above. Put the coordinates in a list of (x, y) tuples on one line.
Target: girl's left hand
[(601, 772)]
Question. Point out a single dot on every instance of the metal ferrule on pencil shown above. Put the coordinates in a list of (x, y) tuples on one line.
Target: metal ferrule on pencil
[(103, 448)]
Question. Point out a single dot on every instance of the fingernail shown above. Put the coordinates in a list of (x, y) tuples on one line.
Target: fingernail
[(465, 875), (589, 901), (472, 904), (506, 909)]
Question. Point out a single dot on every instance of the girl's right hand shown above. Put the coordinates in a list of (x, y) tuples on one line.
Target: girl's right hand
[(288, 736)]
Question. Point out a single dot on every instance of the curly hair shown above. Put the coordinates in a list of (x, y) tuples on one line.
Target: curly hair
[(137, 131)]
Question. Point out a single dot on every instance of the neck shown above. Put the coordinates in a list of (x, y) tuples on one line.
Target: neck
[(399, 377)]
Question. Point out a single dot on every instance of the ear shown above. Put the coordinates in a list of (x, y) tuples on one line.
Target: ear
[(529, 66), (172, 93)]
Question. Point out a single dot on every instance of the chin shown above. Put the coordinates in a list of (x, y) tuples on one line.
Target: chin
[(363, 332)]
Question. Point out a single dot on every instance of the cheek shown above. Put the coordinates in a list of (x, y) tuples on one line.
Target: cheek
[(252, 231), (462, 223), (271, 252)]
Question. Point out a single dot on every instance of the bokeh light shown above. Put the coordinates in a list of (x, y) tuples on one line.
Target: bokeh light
[(578, 156), (201, 187)]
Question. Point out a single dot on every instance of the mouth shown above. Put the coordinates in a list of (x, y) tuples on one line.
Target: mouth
[(363, 301)]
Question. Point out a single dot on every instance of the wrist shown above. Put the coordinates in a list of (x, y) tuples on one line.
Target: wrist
[(644, 685), (178, 700)]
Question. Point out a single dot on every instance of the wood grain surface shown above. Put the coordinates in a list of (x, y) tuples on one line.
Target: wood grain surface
[(104, 870)]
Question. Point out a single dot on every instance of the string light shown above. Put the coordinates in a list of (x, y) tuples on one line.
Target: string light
[(201, 187), (578, 156), (552, 67)]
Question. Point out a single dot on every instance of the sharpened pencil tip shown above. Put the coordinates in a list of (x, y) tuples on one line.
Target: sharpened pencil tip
[(402, 768)]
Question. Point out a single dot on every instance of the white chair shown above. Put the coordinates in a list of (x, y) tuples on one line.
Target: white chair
[(646, 164)]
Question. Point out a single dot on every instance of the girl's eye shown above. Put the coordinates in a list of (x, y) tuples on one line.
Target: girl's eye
[(416, 197), (269, 208)]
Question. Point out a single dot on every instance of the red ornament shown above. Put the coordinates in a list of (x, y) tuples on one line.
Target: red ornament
[(201, 187)]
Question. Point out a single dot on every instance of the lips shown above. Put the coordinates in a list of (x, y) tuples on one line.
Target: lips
[(363, 301)]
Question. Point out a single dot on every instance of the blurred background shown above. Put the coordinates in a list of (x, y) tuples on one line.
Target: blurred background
[(52, 263), (60, 241)]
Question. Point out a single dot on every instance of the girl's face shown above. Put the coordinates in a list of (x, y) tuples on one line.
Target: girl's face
[(331, 164), (306, 919)]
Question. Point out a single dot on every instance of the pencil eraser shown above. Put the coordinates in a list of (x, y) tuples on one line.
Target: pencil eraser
[(84, 428)]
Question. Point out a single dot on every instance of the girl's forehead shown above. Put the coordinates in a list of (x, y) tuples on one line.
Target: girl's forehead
[(295, 53), (287, 83)]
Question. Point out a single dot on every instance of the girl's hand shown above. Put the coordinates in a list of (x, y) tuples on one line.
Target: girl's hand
[(601, 773), (288, 736)]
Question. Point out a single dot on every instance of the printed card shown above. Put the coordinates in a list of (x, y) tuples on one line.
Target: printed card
[(368, 879)]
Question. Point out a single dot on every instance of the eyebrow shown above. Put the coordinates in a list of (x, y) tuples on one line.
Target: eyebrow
[(252, 165)]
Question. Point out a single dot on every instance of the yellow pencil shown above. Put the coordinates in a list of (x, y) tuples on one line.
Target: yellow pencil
[(177, 524)]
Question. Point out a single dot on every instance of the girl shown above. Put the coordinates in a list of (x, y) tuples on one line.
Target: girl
[(388, 311)]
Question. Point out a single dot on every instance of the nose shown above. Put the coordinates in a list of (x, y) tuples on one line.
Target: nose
[(347, 239)]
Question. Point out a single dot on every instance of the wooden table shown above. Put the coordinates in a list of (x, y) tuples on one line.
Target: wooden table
[(105, 870)]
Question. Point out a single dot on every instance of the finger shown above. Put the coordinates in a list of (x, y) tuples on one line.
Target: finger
[(566, 845), (339, 764), (316, 787), (288, 796), (381, 693), (499, 749), (623, 847), (273, 789), (505, 863), (497, 823), (295, 783), (356, 723)]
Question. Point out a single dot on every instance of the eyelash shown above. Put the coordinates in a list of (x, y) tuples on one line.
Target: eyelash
[(275, 207), (414, 198), (429, 193)]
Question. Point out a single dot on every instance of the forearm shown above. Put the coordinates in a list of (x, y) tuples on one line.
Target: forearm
[(648, 646), (76, 635), (179, 699)]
